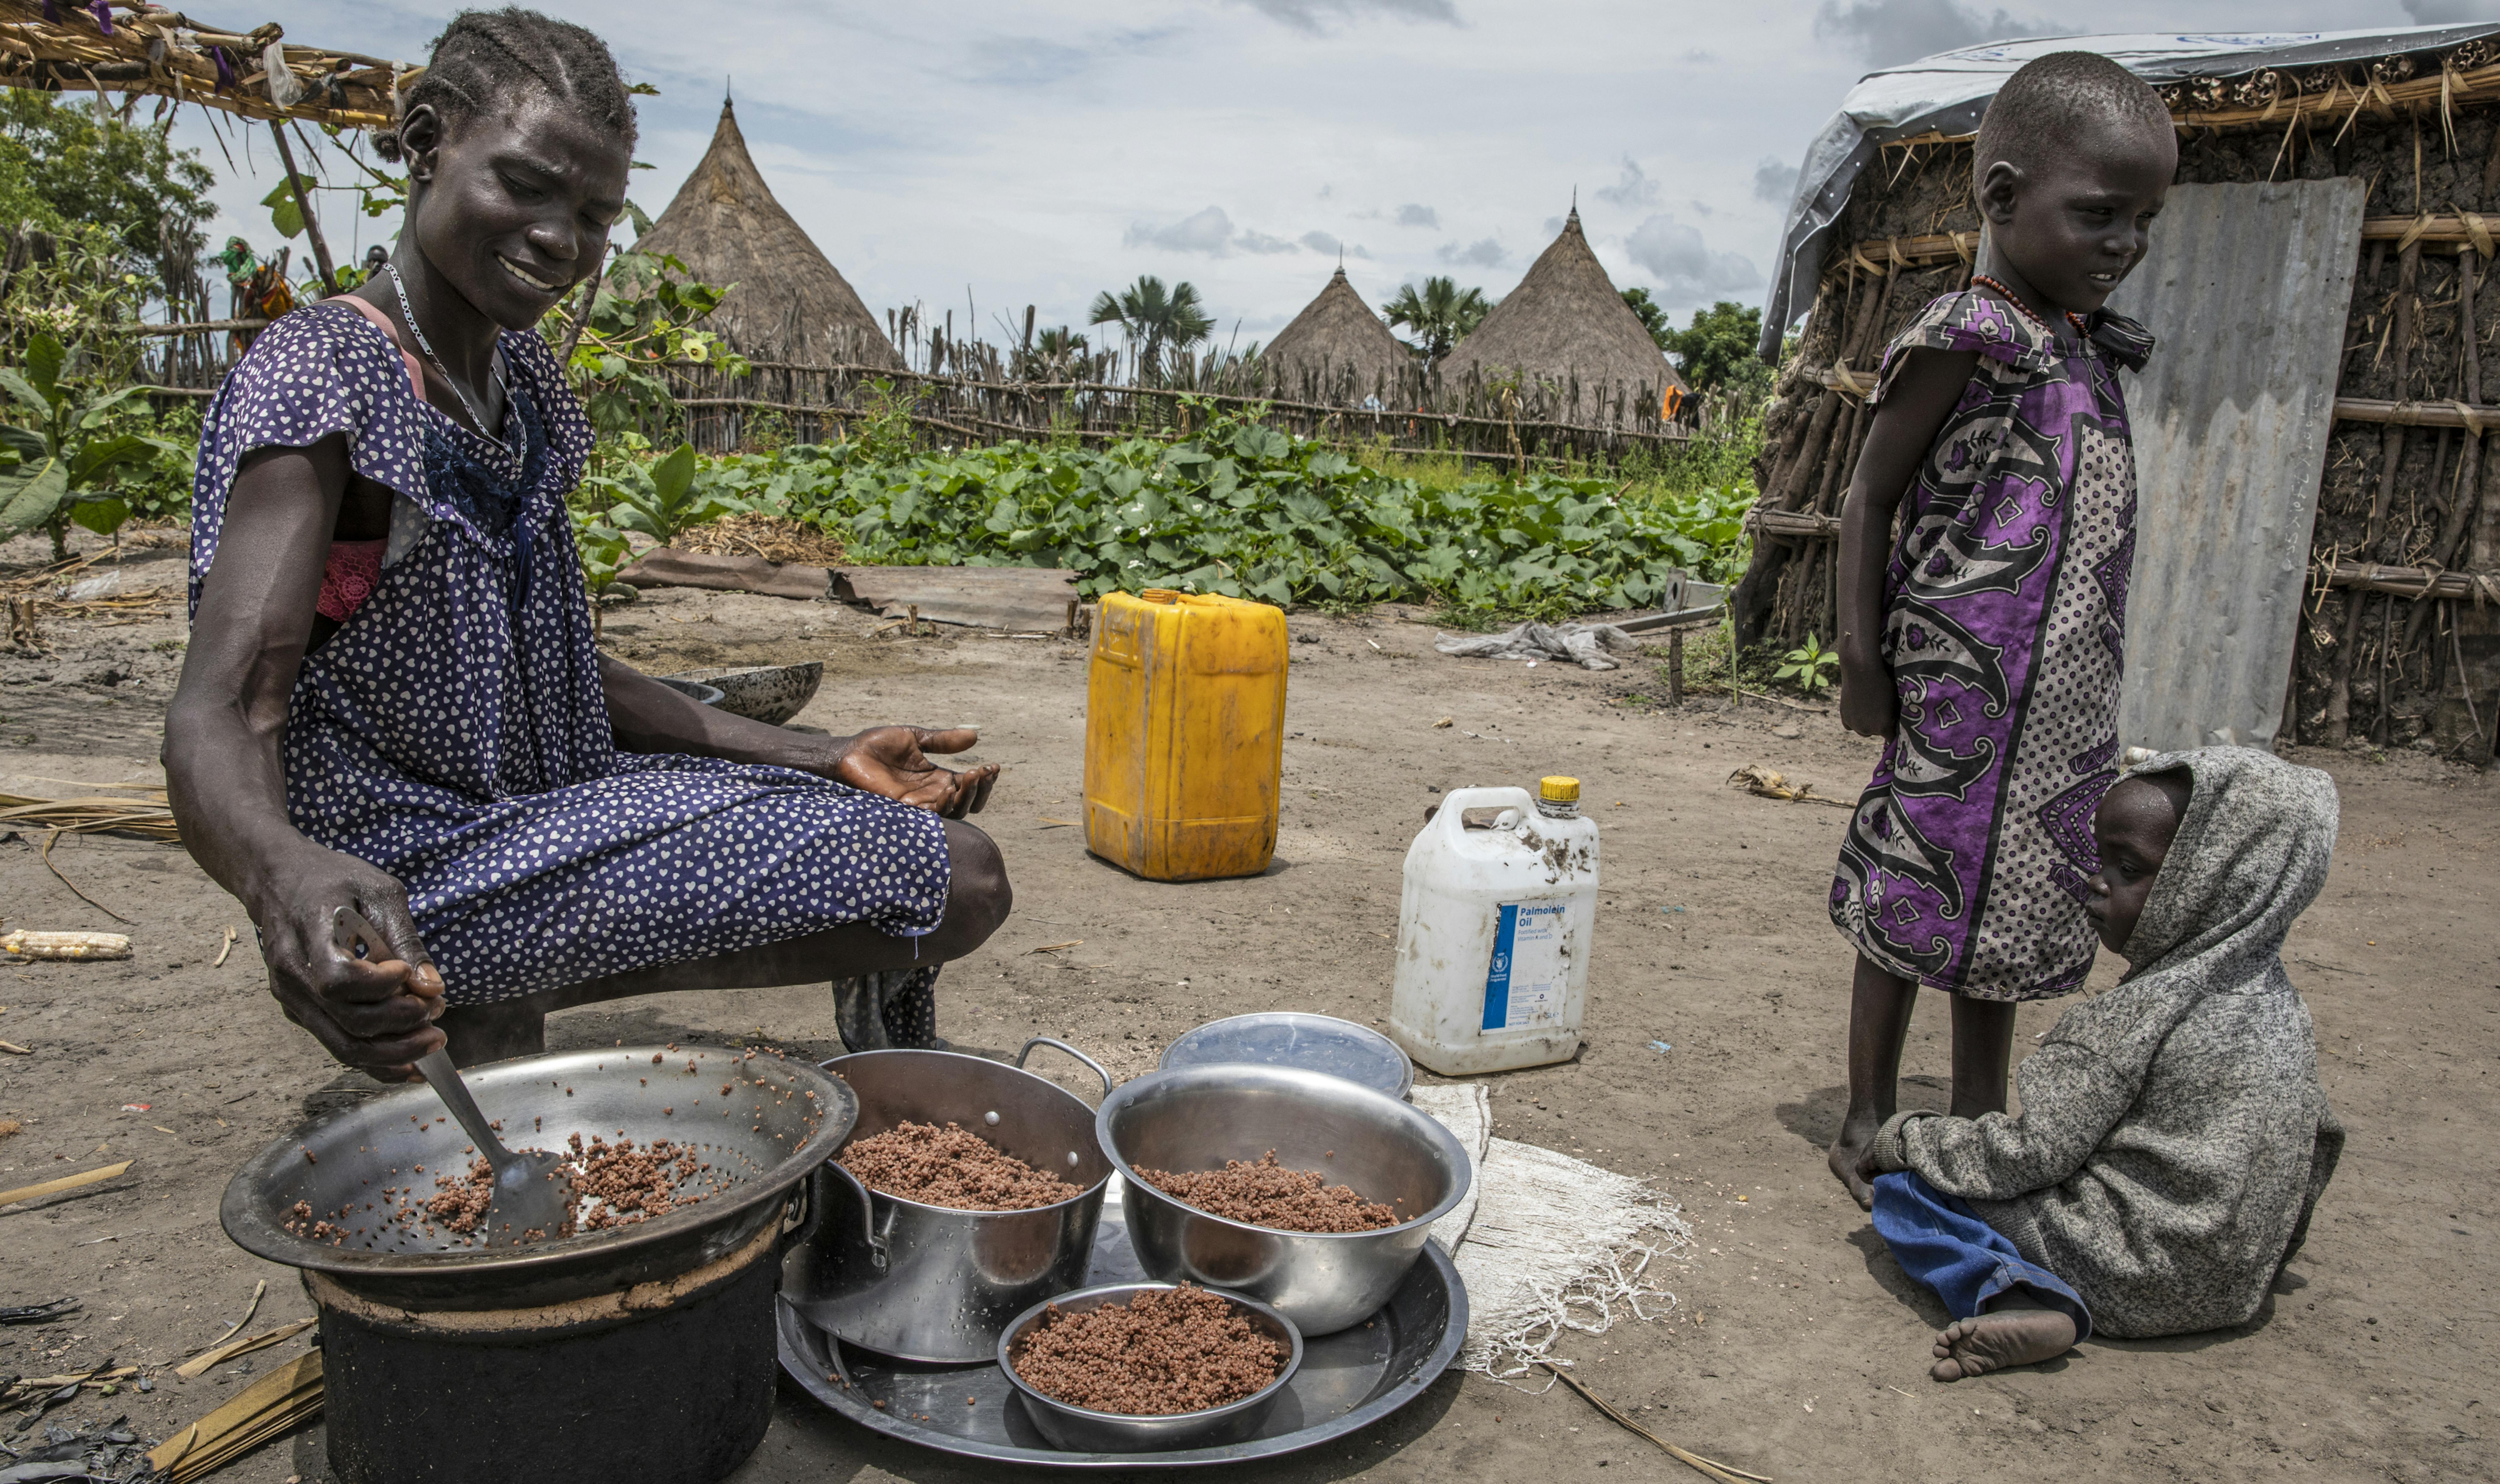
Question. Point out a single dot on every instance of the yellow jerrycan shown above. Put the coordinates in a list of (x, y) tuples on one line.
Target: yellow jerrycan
[(1184, 734)]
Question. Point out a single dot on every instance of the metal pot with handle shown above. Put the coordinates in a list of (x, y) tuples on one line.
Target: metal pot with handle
[(934, 1283)]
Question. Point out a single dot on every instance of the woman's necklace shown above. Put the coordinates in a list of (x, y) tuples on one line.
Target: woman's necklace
[(2028, 313), (478, 417)]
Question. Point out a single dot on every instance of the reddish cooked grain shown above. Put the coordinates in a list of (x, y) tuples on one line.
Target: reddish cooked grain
[(627, 1183), (1268, 1194), (1164, 1352), (951, 1167)]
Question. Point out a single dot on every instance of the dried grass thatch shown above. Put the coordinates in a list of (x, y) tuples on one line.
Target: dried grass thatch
[(164, 54), (1565, 323), (790, 303), (1338, 350)]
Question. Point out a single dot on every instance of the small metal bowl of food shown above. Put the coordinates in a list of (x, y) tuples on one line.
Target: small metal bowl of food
[(1084, 1430), (1198, 1119)]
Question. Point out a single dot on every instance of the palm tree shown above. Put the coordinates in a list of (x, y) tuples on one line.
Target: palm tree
[(1440, 317), (1147, 312)]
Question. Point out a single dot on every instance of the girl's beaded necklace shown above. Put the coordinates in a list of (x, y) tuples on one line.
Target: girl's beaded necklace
[(2080, 329), (479, 418)]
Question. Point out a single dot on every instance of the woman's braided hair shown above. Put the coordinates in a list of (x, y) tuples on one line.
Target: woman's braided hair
[(485, 58)]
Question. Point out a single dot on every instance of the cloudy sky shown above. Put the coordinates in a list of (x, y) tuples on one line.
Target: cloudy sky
[(1037, 152)]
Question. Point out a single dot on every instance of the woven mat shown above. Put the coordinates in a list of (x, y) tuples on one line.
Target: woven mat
[(1548, 1242)]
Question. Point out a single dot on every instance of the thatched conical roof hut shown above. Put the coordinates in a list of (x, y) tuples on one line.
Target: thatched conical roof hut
[(1336, 349), (1566, 323), (790, 303)]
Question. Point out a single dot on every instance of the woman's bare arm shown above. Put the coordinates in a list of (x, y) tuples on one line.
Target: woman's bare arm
[(1914, 409), (648, 717), (228, 786)]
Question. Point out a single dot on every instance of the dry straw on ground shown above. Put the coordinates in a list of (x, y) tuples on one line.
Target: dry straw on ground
[(772, 537)]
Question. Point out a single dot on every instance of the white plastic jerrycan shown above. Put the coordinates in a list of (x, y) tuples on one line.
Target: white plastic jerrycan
[(1494, 932)]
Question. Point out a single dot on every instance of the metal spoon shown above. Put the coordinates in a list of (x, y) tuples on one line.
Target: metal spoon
[(532, 1193)]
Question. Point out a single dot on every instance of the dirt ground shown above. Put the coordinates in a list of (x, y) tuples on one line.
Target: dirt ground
[(1797, 1350)]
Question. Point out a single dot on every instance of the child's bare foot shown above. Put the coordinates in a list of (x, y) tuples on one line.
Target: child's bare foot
[(2016, 1335), (1849, 1151)]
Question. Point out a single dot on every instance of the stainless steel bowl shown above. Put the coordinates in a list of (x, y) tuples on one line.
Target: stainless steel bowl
[(701, 695), (1082, 1430), (1294, 1037), (931, 1282), (778, 1121), (770, 693), (1197, 1118)]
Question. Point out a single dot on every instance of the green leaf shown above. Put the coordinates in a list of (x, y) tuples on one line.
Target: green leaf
[(285, 214), (44, 359), (104, 516), (33, 496), (671, 476), (100, 455), (92, 415)]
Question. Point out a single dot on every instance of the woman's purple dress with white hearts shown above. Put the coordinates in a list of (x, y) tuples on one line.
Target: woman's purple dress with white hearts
[(454, 732)]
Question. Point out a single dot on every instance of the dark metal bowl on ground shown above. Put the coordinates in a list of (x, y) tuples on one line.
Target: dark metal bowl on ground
[(1294, 1037), (932, 1283), (1197, 1118), (704, 695), (640, 1351), (770, 693), (1083, 1430)]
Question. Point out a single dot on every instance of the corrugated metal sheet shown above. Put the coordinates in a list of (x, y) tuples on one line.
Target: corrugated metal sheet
[(2246, 286)]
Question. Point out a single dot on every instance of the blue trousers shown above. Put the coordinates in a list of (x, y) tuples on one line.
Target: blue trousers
[(1938, 1239)]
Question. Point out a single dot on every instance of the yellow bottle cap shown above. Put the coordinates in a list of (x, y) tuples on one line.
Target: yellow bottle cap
[(1559, 790)]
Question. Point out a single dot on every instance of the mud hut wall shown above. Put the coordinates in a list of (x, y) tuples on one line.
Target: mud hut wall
[(2384, 668)]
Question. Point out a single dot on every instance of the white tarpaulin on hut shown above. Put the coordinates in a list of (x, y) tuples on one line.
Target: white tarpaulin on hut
[(1946, 94)]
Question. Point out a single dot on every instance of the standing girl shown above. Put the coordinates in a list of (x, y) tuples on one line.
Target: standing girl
[(1987, 651)]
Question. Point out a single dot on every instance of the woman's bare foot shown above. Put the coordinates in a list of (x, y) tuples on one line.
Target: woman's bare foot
[(2017, 1334), (1849, 1151)]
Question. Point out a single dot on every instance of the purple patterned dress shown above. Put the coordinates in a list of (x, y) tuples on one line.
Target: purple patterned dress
[(2005, 605), (453, 732)]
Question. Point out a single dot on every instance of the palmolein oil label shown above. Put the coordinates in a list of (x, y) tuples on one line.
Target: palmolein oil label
[(1524, 984)]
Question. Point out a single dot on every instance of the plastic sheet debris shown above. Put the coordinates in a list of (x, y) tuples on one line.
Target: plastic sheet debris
[(1585, 645), (38, 1313)]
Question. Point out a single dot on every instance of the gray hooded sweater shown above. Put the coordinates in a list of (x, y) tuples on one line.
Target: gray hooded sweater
[(2174, 1137)]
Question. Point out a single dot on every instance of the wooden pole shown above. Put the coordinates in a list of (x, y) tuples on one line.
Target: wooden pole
[(304, 204), (1675, 667)]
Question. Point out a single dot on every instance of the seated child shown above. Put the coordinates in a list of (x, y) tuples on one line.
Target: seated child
[(2174, 1137)]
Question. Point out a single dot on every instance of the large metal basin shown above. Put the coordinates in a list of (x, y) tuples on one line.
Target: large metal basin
[(929, 1282), (778, 1121), (642, 1353), (1197, 1118)]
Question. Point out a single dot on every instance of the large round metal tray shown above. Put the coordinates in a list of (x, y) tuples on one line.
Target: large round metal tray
[(1348, 1381)]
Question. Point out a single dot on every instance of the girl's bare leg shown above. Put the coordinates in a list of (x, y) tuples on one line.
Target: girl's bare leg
[(1880, 1003), (1983, 1049), (977, 901)]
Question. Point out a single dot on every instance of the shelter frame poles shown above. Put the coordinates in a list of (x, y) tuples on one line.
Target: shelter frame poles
[(304, 204)]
